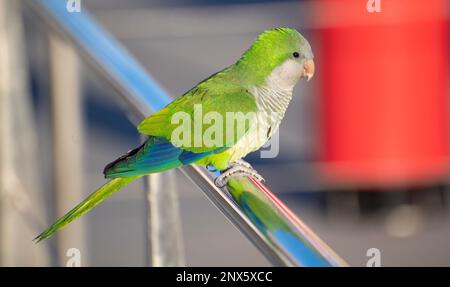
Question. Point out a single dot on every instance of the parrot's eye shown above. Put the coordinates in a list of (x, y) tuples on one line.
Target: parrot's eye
[(296, 54)]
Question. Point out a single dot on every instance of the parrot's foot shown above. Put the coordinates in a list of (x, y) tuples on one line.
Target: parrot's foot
[(241, 162), (238, 168)]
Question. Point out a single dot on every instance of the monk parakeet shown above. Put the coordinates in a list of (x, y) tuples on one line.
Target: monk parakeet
[(260, 82)]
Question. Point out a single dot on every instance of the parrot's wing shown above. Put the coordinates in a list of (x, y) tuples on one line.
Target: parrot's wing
[(154, 155), (204, 119)]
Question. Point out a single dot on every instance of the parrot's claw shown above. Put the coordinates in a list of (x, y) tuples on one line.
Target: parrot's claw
[(238, 168), (242, 163)]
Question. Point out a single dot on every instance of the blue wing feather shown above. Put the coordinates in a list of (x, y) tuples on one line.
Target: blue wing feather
[(155, 155)]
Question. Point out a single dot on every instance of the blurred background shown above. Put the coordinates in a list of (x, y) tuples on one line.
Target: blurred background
[(364, 149)]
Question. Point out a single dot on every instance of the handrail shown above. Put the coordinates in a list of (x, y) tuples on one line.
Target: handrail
[(283, 238)]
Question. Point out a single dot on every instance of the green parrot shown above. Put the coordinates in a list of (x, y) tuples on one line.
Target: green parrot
[(260, 83)]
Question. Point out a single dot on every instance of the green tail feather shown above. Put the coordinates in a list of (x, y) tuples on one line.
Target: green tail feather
[(90, 202)]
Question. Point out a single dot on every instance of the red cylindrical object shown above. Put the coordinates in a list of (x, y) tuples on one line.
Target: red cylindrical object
[(384, 89)]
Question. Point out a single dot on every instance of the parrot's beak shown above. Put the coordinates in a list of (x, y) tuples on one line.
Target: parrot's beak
[(308, 69)]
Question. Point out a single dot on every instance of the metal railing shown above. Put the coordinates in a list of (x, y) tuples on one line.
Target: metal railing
[(281, 236)]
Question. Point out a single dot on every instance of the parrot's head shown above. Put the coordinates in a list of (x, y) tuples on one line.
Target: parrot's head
[(280, 54)]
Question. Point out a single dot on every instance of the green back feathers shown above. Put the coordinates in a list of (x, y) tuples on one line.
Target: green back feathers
[(206, 99), (269, 50)]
